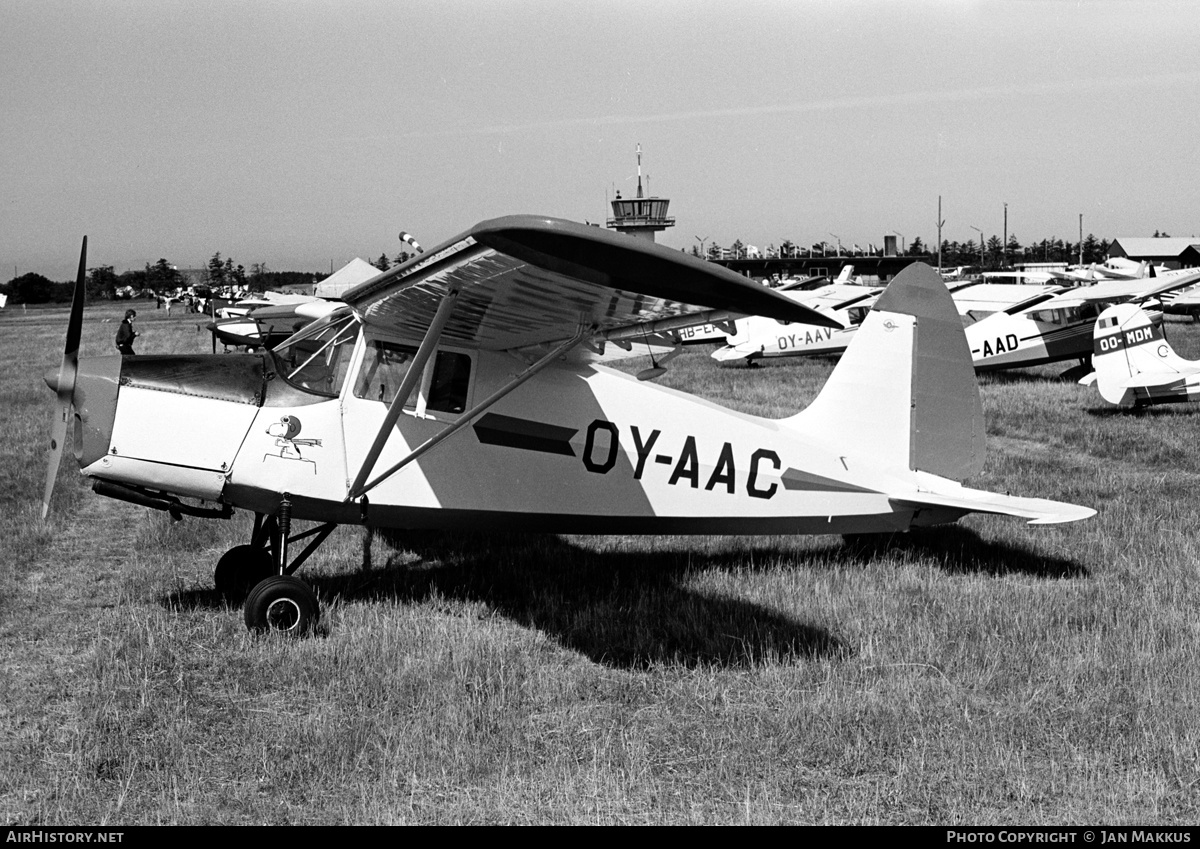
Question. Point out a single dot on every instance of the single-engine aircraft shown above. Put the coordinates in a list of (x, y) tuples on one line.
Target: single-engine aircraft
[(818, 291), (459, 390), (1136, 365), (757, 337), (1056, 325)]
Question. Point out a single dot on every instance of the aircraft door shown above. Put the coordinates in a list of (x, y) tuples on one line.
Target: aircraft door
[(442, 394)]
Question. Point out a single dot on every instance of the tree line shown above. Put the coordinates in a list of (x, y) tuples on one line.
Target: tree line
[(163, 277), (159, 278), (994, 254)]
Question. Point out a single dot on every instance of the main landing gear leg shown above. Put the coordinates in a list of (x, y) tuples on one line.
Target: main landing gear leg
[(277, 601)]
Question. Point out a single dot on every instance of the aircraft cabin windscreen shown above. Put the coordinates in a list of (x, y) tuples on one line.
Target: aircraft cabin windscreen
[(317, 357)]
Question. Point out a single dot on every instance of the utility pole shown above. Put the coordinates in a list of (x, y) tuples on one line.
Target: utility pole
[(1005, 246), (980, 232), (940, 222), (1081, 238)]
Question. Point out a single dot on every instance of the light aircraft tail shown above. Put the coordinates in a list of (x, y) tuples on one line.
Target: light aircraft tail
[(1134, 363), (904, 398), (904, 392)]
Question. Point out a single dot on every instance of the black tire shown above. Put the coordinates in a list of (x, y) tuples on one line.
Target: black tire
[(240, 569), (282, 604)]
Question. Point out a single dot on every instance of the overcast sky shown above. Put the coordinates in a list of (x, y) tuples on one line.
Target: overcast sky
[(302, 133)]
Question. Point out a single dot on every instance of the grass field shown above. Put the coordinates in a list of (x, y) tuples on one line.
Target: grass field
[(983, 673)]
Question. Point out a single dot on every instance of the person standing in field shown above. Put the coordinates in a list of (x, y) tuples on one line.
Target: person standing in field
[(126, 334)]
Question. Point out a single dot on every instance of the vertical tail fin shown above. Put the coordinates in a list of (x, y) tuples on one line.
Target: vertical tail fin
[(904, 392), (1134, 363)]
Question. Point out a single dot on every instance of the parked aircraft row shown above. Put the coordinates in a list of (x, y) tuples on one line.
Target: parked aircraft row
[(265, 320), (1008, 325)]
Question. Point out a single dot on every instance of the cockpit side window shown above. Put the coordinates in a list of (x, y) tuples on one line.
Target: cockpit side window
[(386, 364)]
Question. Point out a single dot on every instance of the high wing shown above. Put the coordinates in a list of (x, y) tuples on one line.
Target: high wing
[(976, 300), (837, 296), (1137, 289), (524, 281)]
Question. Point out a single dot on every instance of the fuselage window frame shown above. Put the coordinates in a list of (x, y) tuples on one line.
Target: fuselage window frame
[(446, 385)]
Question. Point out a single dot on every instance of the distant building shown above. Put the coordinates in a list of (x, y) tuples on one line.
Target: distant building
[(1169, 251)]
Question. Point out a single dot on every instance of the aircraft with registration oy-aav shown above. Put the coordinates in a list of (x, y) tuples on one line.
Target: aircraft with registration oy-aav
[(759, 337), (463, 389), (819, 291), (1135, 365)]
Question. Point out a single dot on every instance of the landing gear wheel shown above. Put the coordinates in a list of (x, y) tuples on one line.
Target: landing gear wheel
[(282, 604), (240, 569)]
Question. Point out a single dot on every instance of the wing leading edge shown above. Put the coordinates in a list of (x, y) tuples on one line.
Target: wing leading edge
[(528, 280)]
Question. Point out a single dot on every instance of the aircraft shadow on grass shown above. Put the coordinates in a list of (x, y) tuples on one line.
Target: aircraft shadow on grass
[(960, 551), (631, 609)]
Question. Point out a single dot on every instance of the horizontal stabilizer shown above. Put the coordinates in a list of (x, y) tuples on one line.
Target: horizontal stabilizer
[(732, 354), (1153, 381), (1039, 511)]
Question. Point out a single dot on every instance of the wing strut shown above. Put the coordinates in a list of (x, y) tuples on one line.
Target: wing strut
[(469, 416), (415, 371)]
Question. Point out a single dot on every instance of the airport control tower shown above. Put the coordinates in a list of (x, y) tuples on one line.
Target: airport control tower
[(640, 216)]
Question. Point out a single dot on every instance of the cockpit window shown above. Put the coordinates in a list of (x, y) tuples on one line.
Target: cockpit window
[(318, 356)]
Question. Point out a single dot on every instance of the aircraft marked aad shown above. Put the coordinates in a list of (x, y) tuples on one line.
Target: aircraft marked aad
[(1056, 324), (462, 389)]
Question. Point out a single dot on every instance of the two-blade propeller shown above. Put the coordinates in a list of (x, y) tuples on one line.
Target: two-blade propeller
[(64, 385)]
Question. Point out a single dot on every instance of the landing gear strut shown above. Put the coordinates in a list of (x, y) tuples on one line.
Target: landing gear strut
[(260, 572)]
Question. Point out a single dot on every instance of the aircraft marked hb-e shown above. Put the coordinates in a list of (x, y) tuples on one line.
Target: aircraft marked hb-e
[(462, 390)]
